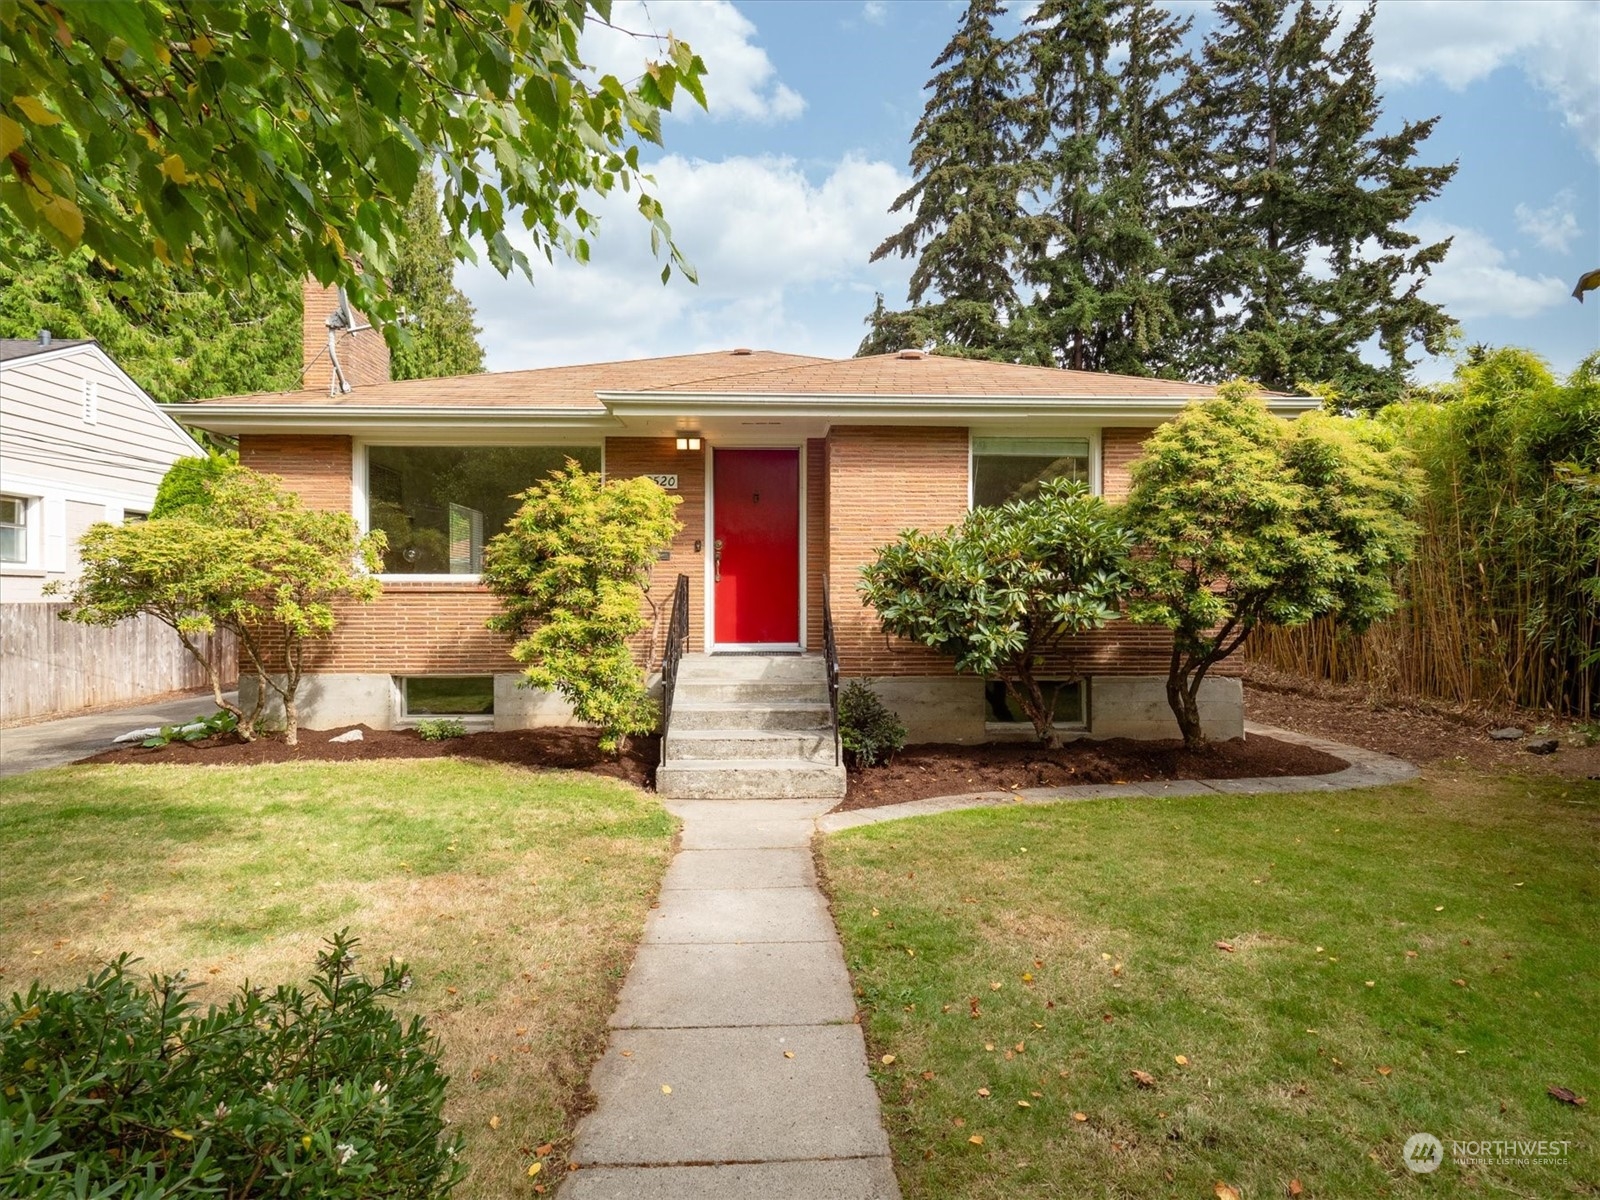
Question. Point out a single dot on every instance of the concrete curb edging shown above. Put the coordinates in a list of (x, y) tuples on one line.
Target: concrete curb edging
[(1367, 769)]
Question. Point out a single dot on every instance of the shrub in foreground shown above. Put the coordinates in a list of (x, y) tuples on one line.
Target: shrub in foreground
[(126, 1088)]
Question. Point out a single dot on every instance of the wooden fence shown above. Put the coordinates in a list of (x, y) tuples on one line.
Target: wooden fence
[(52, 667)]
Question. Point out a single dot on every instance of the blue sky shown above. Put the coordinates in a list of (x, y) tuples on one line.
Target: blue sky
[(780, 191)]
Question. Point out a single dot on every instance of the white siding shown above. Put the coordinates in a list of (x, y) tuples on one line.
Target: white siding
[(67, 467)]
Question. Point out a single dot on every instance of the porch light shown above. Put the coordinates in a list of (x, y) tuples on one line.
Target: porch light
[(688, 443)]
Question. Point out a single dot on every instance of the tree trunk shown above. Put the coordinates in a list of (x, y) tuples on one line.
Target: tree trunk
[(1183, 698), (1040, 711)]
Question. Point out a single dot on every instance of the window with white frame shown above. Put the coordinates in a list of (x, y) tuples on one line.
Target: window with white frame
[(1012, 468), (13, 529), (440, 505)]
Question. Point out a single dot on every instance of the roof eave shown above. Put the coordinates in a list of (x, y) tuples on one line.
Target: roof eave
[(835, 406), (325, 418)]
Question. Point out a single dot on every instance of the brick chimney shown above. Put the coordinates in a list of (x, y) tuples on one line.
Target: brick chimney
[(363, 355)]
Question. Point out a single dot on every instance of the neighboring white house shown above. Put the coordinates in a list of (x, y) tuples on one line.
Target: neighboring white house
[(80, 442)]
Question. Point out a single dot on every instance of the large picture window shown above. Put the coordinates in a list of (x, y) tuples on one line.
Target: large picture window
[(440, 505), (1011, 468)]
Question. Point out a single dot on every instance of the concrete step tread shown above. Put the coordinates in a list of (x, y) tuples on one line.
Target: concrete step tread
[(698, 704), (746, 764)]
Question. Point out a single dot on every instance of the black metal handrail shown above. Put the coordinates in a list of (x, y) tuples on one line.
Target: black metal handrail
[(830, 653), (677, 637)]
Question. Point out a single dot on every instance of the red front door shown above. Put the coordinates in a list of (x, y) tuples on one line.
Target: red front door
[(756, 524)]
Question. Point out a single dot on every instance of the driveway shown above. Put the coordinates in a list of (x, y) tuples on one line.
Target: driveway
[(68, 739)]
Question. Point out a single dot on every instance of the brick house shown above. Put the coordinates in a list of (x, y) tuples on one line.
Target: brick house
[(792, 469)]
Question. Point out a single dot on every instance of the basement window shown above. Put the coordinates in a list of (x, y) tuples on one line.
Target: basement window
[(448, 695), (1011, 468), (440, 505), (1001, 708)]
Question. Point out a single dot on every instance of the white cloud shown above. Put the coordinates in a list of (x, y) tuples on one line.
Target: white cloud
[(782, 262), (1554, 227), (1474, 280), (875, 12), (740, 79), (1461, 41)]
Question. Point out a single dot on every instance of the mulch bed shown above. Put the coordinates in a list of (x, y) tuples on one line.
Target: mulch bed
[(918, 772), (567, 749)]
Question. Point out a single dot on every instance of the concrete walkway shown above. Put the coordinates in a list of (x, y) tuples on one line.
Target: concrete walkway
[(54, 743), (735, 1070)]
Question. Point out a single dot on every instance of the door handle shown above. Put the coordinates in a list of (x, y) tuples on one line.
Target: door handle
[(716, 561)]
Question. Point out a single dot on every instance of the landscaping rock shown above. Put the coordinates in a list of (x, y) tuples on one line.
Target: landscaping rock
[(350, 735), (1542, 746), (1509, 734), (136, 735)]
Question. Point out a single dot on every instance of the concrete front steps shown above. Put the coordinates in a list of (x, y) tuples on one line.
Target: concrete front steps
[(750, 725)]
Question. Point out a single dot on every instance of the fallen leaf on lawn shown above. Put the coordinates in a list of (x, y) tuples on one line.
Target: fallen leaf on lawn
[(1411, 953), (1228, 946), (534, 1169), (1384, 1070), (1080, 1116), (927, 1074), (1459, 982), (627, 1054), (959, 1122), (1027, 977), (1224, 1192), (788, 1053), (1295, 1188), (909, 951), (1568, 1096), (989, 1046), (1438, 908), (541, 1151), (1143, 1078), (996, 986), (1181, 1059), (1372, 983), (1116, 969), (983, 1091), (521, 1029), (976, 1139), (451, 990), (666, 1089), (1023, 1104), (1022, 1047), (874, 912), (886, 1059), (1106, 957), (494, 1122)]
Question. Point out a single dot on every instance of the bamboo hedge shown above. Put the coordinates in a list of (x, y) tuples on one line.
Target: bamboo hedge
[(1501, 604)]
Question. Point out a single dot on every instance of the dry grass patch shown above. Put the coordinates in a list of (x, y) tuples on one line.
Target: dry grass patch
[(1422, 958), (515, 896)]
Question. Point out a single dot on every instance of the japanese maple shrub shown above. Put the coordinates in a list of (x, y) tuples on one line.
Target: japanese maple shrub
[(1244, 519), (570, 571), (1005, 592), (249, 558), (129, 1088)]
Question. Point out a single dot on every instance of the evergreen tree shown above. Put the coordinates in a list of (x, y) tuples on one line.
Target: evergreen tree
[(439, 336), (1297, 251), (967, 163), (1112, 158), (177, 338)]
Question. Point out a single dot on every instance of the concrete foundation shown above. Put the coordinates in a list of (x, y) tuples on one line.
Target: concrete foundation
[(329, 701), (935, 709)]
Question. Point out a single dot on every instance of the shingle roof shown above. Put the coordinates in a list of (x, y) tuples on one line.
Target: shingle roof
[(915, 374), (12, 348), (548, 387)]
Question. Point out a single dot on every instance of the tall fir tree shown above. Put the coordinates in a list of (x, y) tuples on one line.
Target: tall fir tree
[(439, 336), (969, 176), (177, 337), (1109, 154), (1298, 256)]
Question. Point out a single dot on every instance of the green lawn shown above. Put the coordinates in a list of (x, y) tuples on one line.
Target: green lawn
[(1422, 958), (516, 897)]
